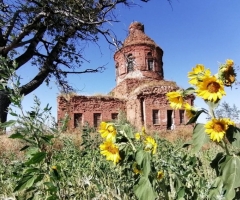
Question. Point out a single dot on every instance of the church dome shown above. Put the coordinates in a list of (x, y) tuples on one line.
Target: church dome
[(137, 36)]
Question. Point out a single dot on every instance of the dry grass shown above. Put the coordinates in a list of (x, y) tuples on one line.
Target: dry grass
[(10, 147), (182, 133)]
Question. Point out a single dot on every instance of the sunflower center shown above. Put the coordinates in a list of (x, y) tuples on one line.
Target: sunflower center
[(218, 127), (213, 87), (113, 150)]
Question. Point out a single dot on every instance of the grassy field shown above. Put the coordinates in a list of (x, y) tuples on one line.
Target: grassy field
[(83, 173)]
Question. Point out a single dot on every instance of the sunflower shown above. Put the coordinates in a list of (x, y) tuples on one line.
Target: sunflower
[(229, 62), (197, 74), (137, 136), (111, 151), (160, 175), (150, 145), (230, 122), (217, 128), (135, 168), (143, 130), (107, 131), (227, 74), (54, 167), (211, 89), (190, 110), (176, 99)]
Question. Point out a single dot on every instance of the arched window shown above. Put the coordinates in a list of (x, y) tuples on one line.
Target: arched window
[(117, 72), (150, 61), (130, 63)]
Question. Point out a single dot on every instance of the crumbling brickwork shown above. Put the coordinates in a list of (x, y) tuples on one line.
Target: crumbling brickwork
[(89, 109), (140, 91)]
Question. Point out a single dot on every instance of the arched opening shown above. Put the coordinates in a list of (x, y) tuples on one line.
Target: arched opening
[(150, 62), (130, 63)]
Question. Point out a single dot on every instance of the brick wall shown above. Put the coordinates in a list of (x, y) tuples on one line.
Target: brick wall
[(87, 109)]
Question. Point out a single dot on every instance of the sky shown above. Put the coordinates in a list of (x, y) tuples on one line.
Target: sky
[(190, 32)]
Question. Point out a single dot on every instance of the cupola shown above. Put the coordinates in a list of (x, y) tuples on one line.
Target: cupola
[(139, 57)]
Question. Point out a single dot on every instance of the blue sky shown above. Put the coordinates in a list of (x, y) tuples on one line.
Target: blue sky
[(190, 32)]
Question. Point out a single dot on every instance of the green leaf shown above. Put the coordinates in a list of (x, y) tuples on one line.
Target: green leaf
[(181, 193), (220, 157), (195, 117), (16, 135), (54, 130), (216, 189), (53, 197), (47, 138), (32, 170), (13, 114), (24, 148), (146, 164), (47, 108), (31, 150), (230, 175), (55, 174), (187, 144), (212, 105), (8, 123), (39, 178), (143, 159), (25, 182), (140, 156), (32, 114), (199, 138), (233, 135), (188, 91), (36, 158), (143, 190), (52, 188)]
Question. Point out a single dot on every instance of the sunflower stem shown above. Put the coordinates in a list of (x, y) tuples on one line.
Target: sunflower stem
[(226, 147), (130, 141), (221, 145), (212, 114)]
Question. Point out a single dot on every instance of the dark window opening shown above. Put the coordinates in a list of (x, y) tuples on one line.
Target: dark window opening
[(150, 61), (77, 120), (114, 116), (130, 63), (150, 64), (149, 54), (169, 118), (117, 72), (155, 116), (192, 102), (97, 119), (142, 109), (181, 116)]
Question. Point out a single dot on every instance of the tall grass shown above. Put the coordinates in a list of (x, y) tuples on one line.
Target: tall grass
[(85, 174)]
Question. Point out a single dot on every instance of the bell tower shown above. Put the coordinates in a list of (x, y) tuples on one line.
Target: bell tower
[(139, 57)]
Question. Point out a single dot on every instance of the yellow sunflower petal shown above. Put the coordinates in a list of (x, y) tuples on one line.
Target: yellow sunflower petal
[(111, 151), (150, 145), (216, 128), (211, 89), (175, 99)]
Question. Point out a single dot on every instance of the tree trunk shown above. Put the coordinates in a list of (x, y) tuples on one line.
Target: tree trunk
[(4, 104)]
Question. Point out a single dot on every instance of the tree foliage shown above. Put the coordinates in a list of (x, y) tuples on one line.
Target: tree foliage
[(228, 111), (51, 34)]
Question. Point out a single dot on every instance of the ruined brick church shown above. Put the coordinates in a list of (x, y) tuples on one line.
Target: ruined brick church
[(140, 90)]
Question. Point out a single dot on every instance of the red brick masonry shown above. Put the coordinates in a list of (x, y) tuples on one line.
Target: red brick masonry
[(140, 91)]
